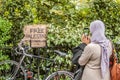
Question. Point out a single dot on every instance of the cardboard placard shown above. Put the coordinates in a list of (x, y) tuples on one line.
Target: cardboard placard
[(36, 35)]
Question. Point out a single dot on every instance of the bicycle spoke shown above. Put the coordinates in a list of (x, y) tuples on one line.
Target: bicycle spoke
[(60, 75)]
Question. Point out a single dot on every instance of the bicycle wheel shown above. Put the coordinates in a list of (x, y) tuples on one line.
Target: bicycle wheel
[(60, 75), (8, 69)]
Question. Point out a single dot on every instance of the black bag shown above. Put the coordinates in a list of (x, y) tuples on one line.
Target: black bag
[(78, 73), (77, 51)]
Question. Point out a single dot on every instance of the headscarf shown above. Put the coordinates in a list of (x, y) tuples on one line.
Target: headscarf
[(97, 30)]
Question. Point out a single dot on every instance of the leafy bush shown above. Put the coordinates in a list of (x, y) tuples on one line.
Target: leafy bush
[(5, 28)]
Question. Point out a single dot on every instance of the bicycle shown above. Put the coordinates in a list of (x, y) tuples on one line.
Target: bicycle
[(13, 70)]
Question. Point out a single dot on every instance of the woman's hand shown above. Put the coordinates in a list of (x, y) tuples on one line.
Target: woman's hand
[(85, 39)]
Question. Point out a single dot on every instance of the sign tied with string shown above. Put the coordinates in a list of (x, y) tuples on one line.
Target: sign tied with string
[(35, 35)]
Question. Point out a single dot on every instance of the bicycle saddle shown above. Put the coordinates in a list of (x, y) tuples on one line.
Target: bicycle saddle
[(60, 53)]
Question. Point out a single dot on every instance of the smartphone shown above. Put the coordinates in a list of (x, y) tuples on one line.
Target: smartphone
[(86, 31)]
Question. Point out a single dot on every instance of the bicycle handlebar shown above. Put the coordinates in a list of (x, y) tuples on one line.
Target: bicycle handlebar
[(26, 47), (24, 50), (16, 50)]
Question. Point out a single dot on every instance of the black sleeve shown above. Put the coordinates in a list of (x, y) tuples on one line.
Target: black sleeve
[(80, 47)]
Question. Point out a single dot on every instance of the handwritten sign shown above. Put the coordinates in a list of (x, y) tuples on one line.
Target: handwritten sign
[(36, 35)]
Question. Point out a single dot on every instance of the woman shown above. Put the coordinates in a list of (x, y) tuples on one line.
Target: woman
[(96, 54)]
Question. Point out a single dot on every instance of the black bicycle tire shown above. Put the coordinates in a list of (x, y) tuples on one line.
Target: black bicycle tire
[(15, 63), (66, 73)]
